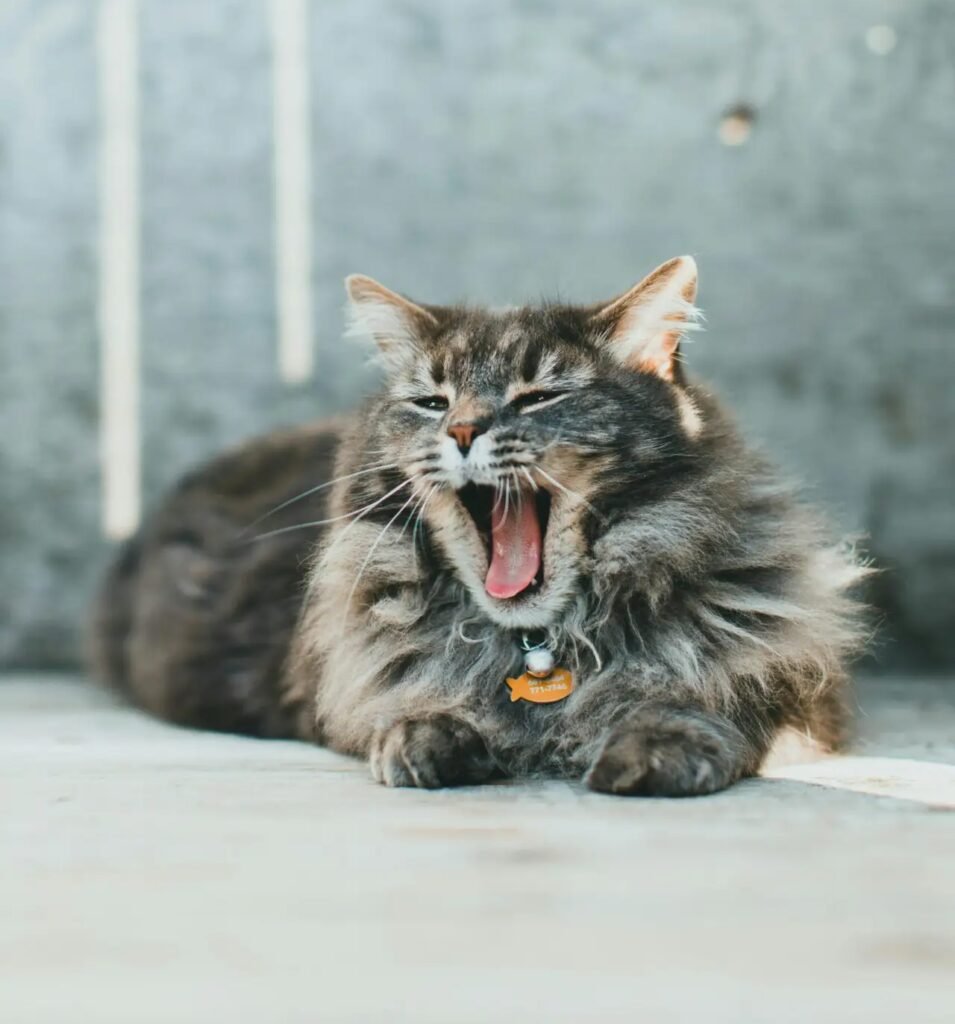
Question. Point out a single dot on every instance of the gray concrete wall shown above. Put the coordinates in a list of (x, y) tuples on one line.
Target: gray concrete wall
[(495, 150)]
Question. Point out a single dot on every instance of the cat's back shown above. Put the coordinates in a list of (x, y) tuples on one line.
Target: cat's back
[(195, 614)]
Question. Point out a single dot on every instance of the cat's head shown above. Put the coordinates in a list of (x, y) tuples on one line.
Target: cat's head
[(526, 431)]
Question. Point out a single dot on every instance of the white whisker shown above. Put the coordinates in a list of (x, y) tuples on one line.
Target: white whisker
[(334, 519), (344, 533), (498, 494), (570, 493), (371, 551), (420, 520), (416, 511), (518, 490), (321, 487)]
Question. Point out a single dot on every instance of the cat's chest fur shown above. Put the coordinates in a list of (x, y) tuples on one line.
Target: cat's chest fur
[(427, 645)]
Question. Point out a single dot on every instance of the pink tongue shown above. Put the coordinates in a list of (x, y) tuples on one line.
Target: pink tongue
[(515, 548)]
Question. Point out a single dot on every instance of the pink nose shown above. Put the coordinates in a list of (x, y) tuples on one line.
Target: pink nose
[(463, 434)]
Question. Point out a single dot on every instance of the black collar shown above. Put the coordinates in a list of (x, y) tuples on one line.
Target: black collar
[(532, 639)]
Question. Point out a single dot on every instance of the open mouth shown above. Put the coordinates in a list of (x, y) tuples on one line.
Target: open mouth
[(513, 531)]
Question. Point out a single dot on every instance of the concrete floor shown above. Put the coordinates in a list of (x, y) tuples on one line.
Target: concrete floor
[(149, 874)]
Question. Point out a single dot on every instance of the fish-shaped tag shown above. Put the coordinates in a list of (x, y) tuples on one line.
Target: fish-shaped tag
[(551, 688)]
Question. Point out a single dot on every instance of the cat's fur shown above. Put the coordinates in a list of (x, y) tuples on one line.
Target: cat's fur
[(699, 605)]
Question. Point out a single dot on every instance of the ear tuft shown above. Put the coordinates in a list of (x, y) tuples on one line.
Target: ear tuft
[(396, 324), (644, 326)]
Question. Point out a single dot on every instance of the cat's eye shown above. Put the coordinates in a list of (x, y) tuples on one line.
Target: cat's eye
[(434, 403), (531, 399)]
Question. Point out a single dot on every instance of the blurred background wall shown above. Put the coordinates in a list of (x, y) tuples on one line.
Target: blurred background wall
[(498, 150)]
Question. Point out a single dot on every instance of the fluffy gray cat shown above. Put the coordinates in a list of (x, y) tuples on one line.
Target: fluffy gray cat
[(540, 550)]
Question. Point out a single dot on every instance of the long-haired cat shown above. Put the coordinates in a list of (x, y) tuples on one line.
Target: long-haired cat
[(540, 550)]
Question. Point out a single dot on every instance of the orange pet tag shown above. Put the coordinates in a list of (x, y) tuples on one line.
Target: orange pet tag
[(547, 690)]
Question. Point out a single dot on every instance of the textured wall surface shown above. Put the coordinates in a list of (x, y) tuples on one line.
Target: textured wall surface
[(497, 151)]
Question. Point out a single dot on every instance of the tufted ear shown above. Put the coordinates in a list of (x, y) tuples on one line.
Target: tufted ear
[(396, 324), (643, 326)]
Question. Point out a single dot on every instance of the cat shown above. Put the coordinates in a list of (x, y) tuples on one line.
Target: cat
[(535, 483)]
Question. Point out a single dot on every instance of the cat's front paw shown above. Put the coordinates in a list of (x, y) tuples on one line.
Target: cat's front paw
[(670, 752), (430, 752)]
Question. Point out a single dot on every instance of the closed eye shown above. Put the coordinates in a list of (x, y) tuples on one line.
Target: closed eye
[(433, 403), (532, 400)]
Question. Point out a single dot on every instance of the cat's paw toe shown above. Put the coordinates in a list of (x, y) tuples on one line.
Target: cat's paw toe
[(430, 752), (669, 753)]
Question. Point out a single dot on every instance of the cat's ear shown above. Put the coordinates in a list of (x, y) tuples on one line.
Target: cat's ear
[(396, 324), (643, 326)]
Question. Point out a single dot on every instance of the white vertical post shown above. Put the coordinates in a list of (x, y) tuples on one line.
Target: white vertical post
[(292, 182), (118, 305)]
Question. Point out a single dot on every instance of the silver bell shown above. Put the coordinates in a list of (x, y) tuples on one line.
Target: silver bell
[(539, 662)]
